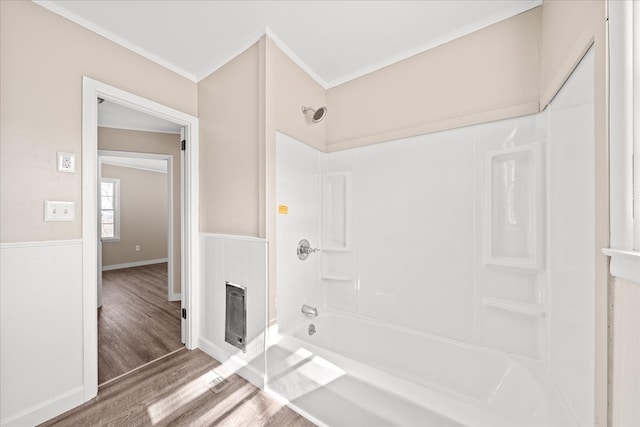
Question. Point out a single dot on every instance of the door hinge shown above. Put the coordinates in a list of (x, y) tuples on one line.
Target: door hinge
[(184, 313), (183, 145)]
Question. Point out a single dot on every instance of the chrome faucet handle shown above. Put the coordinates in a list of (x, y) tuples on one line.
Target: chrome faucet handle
[(304, 249)]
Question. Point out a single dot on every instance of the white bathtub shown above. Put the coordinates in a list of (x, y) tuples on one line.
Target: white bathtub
[(355, 371)]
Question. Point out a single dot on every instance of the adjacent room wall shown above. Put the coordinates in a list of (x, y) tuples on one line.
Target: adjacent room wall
[(43, 58), (143, 216), (488, 75), (159, 143)]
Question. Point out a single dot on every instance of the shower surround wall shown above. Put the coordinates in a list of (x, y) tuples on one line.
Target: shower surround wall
[(483, 235)]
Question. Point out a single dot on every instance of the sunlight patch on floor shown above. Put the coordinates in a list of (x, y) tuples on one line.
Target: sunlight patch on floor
[(303, 372), (162, 408)]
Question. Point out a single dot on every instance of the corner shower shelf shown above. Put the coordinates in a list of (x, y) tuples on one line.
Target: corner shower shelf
[(337, 277), (515, 306)]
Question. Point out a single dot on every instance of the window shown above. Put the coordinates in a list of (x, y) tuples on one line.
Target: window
[(110, 209), (624, 139)]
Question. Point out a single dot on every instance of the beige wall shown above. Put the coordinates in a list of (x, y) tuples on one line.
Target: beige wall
[(159, 143), (625, 406), (43, 58), (488, 75), (143, 216), (229, 110)]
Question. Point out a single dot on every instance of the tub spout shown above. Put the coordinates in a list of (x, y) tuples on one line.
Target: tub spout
[(311, 311)]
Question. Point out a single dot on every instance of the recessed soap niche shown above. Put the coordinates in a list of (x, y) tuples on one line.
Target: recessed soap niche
[(336, 212), (513, 196)]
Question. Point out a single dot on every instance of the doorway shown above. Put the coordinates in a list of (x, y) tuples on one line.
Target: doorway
[(139, 289), (92, 91)]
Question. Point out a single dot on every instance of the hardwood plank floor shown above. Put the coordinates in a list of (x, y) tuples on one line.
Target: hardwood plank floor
[(136, 323), (176, 390)]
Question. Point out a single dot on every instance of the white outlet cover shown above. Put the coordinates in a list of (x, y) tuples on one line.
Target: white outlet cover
[(66, 162)]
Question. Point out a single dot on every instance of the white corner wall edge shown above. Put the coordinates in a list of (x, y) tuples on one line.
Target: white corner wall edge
[(46, 410), (624, 264)]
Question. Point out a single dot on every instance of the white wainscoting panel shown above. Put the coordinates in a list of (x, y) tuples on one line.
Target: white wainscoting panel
[(41, 363)]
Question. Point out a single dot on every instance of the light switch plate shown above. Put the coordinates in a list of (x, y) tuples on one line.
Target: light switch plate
[(66, 162), (59, 211)]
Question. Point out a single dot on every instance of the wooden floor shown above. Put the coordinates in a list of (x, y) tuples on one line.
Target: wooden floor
[(177, 390), (136, 323)]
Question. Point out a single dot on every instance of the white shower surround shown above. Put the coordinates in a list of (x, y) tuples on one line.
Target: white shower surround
[(420, 253)]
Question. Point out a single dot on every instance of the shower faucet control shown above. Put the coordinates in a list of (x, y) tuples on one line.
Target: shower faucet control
[(311, 311), (304, 249)]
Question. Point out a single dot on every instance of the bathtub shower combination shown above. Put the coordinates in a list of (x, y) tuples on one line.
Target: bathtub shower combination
[(453, 281)]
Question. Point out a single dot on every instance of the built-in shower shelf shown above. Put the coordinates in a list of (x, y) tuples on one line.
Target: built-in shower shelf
[(336, 277), (515, 306)]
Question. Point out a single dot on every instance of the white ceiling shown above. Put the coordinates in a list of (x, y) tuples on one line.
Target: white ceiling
[(112, 115), (334, 41)]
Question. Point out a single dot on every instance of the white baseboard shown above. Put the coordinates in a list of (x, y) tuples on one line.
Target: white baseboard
[(46, 410), (232, 362), (134, 264), (175, 297)]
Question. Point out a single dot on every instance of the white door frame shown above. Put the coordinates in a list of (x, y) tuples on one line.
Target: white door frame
[(171, 296), (91, 90)]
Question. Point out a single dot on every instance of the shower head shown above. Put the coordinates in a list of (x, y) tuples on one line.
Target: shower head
[(318, 115)]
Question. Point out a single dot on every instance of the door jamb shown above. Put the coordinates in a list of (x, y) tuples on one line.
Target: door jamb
[(91, 90)]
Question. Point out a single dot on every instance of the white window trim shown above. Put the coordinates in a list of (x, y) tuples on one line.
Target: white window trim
[(624, 57), (116, 210)]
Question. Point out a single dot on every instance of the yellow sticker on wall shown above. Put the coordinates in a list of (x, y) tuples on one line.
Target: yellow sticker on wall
[(283, 209)]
